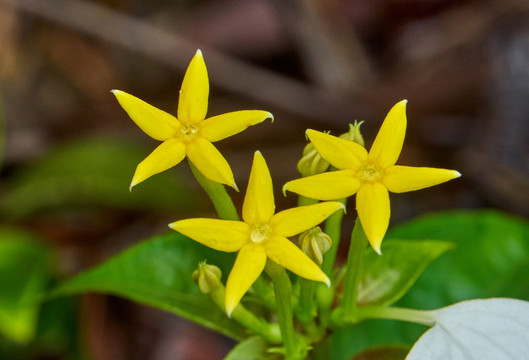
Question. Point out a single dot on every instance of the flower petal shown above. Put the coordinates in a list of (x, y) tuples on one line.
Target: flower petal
[(400, 179), (222, 126), (341, 153), (259, 204), (285, 253), (222, 235), (210, 162), (326, 186), (372, 204), (388, 144), (193, 101), (248, 266), (154, 122), (166, 155), (296, 220)]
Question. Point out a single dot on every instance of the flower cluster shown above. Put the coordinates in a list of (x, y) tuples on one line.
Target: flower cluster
[(263, 234)]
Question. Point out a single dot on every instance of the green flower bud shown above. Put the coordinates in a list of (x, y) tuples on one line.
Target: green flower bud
[(354, 133), (315, 243), (311, 162), (207, 277)]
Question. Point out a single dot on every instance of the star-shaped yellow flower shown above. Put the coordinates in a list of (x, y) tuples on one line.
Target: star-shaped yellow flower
[(370, 175), (261, 235), (191, 134)]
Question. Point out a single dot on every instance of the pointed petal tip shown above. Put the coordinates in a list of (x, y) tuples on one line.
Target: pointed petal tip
[(327, 282), (132, 184), (228, 312), (172, 226), (284, 189), (234, 186), (270, 116), (376, 247), (457, 174), (199, 53)]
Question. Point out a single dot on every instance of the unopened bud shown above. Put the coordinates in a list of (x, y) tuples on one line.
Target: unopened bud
[(311, 162), (207, 277), (354, 133), (315, 243)]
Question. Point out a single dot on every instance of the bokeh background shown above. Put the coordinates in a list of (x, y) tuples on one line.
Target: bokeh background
[(69, 150)]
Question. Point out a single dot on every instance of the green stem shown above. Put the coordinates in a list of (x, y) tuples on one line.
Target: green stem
[(333, 226), (325, 295), (246, 318), (219, 196), (283, 292), (306, 309), (303, 201), (353, 271), (395, 313)]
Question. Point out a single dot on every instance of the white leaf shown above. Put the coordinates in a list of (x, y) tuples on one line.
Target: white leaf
[(485, 329)]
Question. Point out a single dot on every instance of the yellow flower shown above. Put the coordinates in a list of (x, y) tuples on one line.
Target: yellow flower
[(371, 175), (191, 134), (261, 235)]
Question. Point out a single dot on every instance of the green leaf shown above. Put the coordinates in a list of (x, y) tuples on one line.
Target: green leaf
[(388, 277), (25, 270), (89, 173), (253, 348), (491, 259), (157, 272)]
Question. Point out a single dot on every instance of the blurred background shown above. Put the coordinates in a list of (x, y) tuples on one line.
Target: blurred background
[(69, 150)]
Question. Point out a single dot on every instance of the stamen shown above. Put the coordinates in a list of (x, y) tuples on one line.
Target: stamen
[(370, 173), (260, 234), (188, 131)]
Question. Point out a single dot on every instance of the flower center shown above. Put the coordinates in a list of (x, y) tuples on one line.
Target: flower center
[(260, 233), (187, 132), (370, 173)]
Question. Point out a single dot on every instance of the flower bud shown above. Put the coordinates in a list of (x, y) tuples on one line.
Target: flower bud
[(315, 243), (207, 277), (311, 162), (354, 133)]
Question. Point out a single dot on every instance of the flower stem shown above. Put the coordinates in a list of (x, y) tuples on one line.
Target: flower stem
[(306, 308), (219, 196), (395, 313), (325, 295), (283, 292), (333, 226), (245, 317), (355, 258)]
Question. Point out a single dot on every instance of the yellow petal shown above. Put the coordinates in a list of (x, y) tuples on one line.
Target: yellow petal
[(248, 266), (259, 205), (154, 122), (341, 153), (390, 138), (326, 186), (372, 204), (210, 162), (296, 220), (400, 179), (222, 235), (222, 126), (166, 155), (285, 253), (193, 100)]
